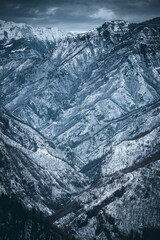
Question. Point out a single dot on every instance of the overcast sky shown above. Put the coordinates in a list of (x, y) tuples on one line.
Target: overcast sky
[(77, 15)]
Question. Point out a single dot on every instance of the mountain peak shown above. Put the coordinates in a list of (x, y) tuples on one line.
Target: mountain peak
[(12, 30)]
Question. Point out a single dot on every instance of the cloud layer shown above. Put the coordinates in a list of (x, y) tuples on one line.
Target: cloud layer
[(77, 15)]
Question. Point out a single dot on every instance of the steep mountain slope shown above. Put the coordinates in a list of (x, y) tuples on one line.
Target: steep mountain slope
[(123, 201), (21, 42), (17, 222), (85, 82), (124, 206), (31, 170), (21, 48), (89, 150)]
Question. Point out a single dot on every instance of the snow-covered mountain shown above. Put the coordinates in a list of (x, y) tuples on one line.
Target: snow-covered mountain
[(123, 201), (16, 31), (21, 42), (31, 168), (83, 111), (85, 82)]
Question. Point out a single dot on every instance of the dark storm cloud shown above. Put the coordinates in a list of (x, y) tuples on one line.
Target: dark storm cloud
[(80, 15)]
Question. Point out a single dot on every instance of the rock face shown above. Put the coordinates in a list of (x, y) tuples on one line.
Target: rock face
[(94, 100)]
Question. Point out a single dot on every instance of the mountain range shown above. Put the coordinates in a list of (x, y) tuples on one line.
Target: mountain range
[(80, 127)]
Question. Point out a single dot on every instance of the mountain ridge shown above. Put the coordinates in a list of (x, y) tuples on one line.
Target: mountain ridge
[(80, 129)]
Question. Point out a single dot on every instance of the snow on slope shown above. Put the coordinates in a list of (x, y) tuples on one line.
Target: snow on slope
[(11, 30), (96, 96), (120, 208), (33, 159)]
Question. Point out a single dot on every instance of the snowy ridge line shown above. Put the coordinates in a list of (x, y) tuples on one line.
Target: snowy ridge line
[(112, 137), (21, 30), (6, 112), (72, 56), (154, 158), (43, 156), (49, 126), (117, 119), (19, 50), (70, 206)]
